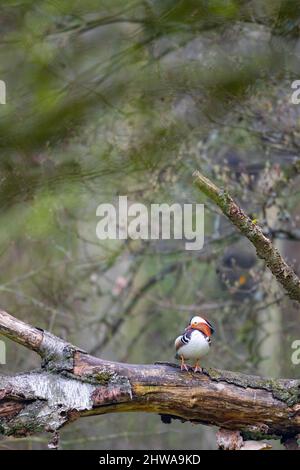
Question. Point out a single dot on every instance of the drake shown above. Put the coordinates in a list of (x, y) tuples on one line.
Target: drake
[(194, 343)]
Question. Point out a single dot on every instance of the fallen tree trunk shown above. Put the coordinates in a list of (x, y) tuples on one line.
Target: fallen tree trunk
[(72, 384)]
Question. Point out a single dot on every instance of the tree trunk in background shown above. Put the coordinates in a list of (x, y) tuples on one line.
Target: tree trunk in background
[(269, 334)]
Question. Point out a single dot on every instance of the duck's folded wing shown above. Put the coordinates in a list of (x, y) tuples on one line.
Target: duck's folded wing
[(178, 342), (182, 340)]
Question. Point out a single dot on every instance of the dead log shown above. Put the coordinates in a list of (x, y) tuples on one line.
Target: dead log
[(72, 384)]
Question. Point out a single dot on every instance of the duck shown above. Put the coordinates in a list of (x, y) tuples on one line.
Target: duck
[(194, 343)]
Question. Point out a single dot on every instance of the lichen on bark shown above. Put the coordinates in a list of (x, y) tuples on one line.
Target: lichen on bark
[(287, 391)]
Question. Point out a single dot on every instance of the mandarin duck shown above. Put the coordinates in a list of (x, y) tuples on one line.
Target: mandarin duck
[(194, 343)]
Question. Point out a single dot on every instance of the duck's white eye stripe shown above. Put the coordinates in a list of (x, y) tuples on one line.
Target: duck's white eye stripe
[(197, 319)]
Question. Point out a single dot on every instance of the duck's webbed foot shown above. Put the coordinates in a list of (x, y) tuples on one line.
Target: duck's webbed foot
[(197, 367), (183, 365)]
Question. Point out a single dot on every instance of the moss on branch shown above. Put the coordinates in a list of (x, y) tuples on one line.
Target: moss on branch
[(265, 250)]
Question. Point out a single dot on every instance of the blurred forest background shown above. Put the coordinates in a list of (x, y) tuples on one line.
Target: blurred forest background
[(129, 98)]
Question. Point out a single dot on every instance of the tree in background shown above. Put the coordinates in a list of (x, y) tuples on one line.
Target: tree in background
[(113, 99)]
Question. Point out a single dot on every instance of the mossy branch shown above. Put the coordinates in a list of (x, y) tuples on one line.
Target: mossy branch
[(265, 250)]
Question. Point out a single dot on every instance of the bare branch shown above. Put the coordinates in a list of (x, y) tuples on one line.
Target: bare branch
[(20, 332), (55, 352), (264, 247)]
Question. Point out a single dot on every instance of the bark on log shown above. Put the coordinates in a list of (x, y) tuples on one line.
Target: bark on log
[(72, 384)]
